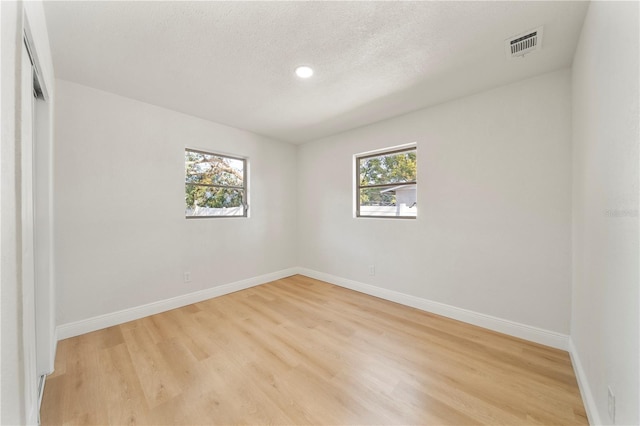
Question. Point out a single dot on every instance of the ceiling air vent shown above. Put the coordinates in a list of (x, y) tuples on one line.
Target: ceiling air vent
[(524, 43)]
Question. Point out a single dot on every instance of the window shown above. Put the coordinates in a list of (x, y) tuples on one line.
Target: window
[(215, 185), (386, 184)]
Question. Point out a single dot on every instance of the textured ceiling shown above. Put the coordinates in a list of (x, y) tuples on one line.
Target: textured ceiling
[(233, 62)]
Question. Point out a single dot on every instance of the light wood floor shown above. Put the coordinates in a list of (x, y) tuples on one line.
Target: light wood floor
[(301, 351)]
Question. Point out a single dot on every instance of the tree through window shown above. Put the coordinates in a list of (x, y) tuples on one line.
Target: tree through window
[(215, 185), (386, 184)]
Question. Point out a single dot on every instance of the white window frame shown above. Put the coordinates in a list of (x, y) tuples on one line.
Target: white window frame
[(358, 187), (244, 188)]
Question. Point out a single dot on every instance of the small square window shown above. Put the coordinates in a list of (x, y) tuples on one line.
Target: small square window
[(386, 184), (215, 185)]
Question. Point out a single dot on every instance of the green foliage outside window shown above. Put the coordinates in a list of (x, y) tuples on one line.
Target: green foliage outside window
[(385, 169), (213, 181)]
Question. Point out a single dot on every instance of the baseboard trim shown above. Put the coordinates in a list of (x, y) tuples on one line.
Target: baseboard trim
[(522, 331), (534, 334), (99, 322), (583, 384)]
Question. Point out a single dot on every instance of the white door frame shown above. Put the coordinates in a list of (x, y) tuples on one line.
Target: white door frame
[(39, 340), (31, 380)]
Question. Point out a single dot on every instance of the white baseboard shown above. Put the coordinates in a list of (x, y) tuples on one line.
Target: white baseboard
[(585, 390), (533, 334), (77, 328)]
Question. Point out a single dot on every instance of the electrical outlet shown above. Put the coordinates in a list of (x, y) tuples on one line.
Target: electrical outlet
[(187, 277), (372, 270), (611, 405)]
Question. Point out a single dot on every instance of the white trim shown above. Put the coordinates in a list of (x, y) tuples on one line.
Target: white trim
[(55, 351), (522, 331), (43, 380), (583, 384), (33, 416), (107, 320)]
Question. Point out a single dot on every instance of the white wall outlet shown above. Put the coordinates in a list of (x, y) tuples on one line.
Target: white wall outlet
[(611, 405), (372, 270), (187, 277)]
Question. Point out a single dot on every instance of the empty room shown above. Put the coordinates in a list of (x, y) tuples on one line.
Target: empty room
[(331, 213)]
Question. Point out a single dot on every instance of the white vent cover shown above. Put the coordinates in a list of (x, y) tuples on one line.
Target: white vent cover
[(527, 42)]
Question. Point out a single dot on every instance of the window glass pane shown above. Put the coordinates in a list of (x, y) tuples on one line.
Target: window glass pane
[(215, 185), (388, 168), (389, 201), (213, 201), (213, 169)]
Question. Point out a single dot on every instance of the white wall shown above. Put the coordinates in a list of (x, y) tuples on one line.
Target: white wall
[(494, 205), (117, 160), (604, 322), (12, 382)]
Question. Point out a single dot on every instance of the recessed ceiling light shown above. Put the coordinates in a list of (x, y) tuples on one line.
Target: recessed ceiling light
[(304, 71)]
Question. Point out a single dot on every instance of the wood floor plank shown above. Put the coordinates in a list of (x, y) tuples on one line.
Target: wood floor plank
[(301, 351), (154, 373), (127, 406)]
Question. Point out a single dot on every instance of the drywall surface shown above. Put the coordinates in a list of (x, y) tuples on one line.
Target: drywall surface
[(604, 322), (121, 237), (12, 385), (373, 60), (494, 205)]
